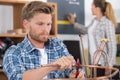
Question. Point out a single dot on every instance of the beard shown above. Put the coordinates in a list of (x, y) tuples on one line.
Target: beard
[(39, 37)]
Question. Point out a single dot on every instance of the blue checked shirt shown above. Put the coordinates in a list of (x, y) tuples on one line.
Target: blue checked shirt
[(24, 56)]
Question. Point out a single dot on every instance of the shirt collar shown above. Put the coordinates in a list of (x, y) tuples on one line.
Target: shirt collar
[(28, 47), (102, 19)]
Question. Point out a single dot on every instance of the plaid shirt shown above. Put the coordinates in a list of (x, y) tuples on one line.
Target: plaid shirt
[(104, 29), (24, 56)]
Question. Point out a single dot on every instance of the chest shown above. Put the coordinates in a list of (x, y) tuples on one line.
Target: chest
[(34, 59), (99, 30)]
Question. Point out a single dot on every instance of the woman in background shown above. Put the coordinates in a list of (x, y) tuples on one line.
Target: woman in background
[(102, 26)]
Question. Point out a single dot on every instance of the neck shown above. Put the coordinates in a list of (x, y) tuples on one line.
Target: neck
[(99, 15), (35, 43)]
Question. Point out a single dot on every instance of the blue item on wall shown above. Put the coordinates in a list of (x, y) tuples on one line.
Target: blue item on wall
[(65, 7)]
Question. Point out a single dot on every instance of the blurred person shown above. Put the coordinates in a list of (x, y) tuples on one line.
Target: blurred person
[(102, 26)]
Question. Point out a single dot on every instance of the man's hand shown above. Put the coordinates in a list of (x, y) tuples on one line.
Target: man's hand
[(64, 62)]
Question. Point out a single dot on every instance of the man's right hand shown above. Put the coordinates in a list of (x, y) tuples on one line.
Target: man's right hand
[(63, 62)]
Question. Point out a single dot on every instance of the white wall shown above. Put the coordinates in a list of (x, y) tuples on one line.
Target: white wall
[(88, 14), (6, 18), (116, 7)]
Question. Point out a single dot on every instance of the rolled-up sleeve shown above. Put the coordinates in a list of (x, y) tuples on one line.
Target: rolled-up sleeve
[(81, 28)]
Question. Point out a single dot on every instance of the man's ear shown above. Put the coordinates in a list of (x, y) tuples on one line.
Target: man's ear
[(25, 24)]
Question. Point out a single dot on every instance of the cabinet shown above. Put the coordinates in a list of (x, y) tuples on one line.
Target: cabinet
[(17, 22)]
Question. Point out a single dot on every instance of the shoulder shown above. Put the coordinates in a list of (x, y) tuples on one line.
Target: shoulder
[(106, 21), (55, 41), (12, 54), (13, 50)]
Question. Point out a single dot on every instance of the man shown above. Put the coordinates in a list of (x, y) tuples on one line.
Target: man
[(24, 61)]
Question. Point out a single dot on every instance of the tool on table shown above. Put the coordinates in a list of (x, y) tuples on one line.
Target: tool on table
[(77, 68)]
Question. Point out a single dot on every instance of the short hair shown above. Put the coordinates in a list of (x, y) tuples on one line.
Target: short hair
[(30, 9)]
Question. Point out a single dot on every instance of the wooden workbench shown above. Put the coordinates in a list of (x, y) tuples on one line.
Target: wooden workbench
[(2, 75)]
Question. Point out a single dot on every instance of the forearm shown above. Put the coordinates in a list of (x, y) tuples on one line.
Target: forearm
[(37, 74), (83, 29)]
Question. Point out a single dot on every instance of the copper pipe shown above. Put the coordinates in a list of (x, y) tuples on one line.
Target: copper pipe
[(92, 66), (83, 54), (82, 49), (99, 52), (102, 52)]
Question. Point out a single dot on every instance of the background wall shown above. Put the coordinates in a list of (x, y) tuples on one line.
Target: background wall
[(65, 7), (6, 16)]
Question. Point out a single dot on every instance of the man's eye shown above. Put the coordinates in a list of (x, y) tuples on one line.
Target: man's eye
[(49, 24), (40, 23)]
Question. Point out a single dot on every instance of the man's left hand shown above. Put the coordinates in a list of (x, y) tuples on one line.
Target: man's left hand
[(73, 74)]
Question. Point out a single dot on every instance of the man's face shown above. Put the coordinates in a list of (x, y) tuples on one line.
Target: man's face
[(39, 27)]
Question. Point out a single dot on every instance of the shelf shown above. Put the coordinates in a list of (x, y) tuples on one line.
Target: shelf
[(17, 35), (17, 21), (12, 35), (12, 2)]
